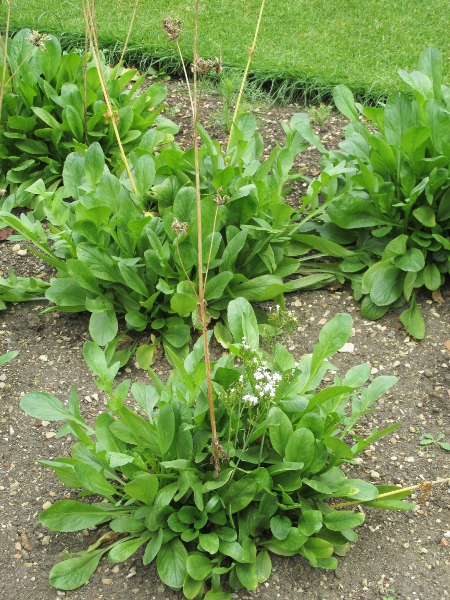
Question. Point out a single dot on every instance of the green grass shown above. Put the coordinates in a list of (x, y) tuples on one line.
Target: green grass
[(305, 46)]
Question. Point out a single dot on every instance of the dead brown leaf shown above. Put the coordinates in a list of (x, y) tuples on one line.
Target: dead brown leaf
[(5, 233), (25, 542), (447, 345), (437, 297)]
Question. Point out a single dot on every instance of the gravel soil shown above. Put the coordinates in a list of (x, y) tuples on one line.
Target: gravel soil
[(399, 556)]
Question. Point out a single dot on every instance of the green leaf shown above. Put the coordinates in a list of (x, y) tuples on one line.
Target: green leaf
[(94, 163), (411, 260), (280, 527), (144, 174), (74, 121), (425, 215), (171, 563), (66, 292), (247, 575), (74, 572), (145, 355), (103, 327), (198, 566), (372, 311), (126, 548), (8, 356), (340, 520), (345, 103), (300, 447), (240, 494), (263, 566), (430, 63), (280, 429), (166, 428), (431, 277), (192, 588), (183, 304), (143, 487), (94, 481), (242, 322), (209, 542), (388, 286), (71, 515), (310, 522), (413, 321), (153, 547), (41, 405)]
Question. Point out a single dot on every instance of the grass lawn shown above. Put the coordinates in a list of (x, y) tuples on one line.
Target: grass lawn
[(303, 44)]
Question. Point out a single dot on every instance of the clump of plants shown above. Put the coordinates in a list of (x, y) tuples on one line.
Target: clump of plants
[(392, 201), (209, 508), (52, 103)]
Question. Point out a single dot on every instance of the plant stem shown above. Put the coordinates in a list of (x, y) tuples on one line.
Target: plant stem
[(251, 52), (186, 77), (423, 485), (133, 15), (91, 25), (201, 287), (5, 55)]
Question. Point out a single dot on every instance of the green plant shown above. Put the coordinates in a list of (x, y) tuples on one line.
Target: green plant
[(319, 114), (118, 253), (428, 438), (282, 442), (4, 358), (53, 104), (393, 204)]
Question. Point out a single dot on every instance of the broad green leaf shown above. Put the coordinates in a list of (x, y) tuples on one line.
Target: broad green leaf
[(46, 407), (263, 566), (209, 542), (49, 60), (358, 490), (240, 494), (388, 286), (242, 322), (94, 481), (183, 304), (198, 566), (8, 356), (143, 487), (74, 121), (340, 520), (345, 103), (425, 215), (66, 292), (153, 547), (354, 213), (431, 277), (171, 563), (372, 311), (247, 575), (71, 515), (430, 63), (74, 572), (280, 527), (412, 260), (280, 429), (192, 588), (399, 117), (144, 174), (145, 355), (300, 447), (413, 321), (310, 522), (94, 163), (165, 428), (123, 550), (103, 327)]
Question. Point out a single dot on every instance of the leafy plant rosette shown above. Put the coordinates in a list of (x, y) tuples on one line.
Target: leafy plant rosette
[(53, 104), (392, 203), (118, 253), (283, 442)]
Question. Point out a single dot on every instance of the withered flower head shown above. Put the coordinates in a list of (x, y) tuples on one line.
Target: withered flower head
[(218, 198), (109, 118), (38, 40), (179, 227), (2, 193), (172, 28), (205, 65)]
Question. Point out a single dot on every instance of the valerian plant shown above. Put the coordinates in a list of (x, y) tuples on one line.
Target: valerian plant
[(283, 439), (392, 199), (53, 103)]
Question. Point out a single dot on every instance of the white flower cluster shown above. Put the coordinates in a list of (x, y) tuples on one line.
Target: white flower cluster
[(266, 385)]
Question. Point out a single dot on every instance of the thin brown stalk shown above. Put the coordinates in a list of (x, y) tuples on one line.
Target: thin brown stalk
[(185, 272), (92, 27), (251, 52), (5, 55), (133, 15), (201, 287), (186, 77), (426, 485), (85, 62)]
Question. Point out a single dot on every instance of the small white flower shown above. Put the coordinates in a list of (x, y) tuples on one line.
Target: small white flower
[(250, 398), (277, 306), (241, 379)]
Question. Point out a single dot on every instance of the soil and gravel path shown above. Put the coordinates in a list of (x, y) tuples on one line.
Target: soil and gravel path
[(398, 556)]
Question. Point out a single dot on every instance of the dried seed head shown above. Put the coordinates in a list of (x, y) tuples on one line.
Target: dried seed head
[(112, 116), (38, 40), (205, 65), (172, 28), (179, 227), (218, 198), (2, 193)]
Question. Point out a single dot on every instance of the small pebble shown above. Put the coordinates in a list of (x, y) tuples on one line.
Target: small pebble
[(348, 347), (22, 252)]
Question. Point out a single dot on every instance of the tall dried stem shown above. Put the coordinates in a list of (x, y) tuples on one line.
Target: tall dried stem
[(90, 21), (5, 54), (251, 52), (201, 286), (133, 16)]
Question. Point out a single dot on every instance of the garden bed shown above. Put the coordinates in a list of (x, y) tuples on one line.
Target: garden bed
[(399, 555)]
